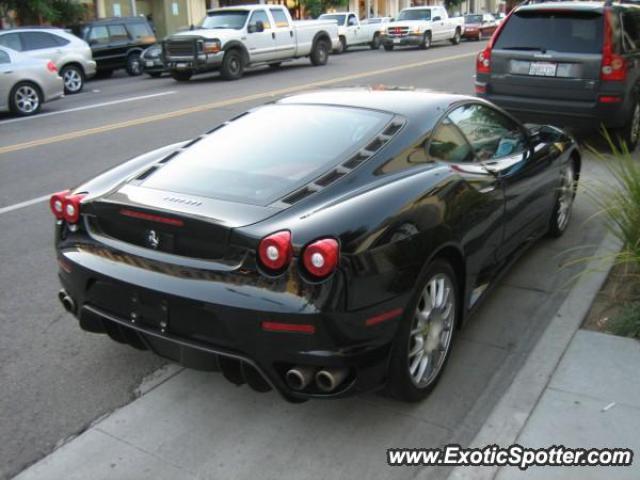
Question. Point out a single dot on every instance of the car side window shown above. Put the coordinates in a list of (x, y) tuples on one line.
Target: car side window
[(449, 145), (38, 40), (352, 21), (117, 33), (12, 41), (631, 31), (139, 30), (279, 18), (99, 36), (4, 57), (491, 134), (260, 16)]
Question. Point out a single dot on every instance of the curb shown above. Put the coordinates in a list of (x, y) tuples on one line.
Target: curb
[(512, 412)]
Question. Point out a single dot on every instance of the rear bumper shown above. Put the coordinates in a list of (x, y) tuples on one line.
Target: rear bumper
[(224, 332), (411, 39), (90, 68), (562, 112)]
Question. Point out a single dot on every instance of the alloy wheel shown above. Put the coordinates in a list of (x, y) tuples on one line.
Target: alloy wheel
[(431, 330), (72, 80), (566, 196), (27, 99)]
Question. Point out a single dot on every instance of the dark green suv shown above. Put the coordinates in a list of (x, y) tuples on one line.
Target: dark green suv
[(117, 42), (568, 63)]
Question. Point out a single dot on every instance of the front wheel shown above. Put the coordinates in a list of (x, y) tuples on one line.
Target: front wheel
[(320, 53), (456, 37), (73, 78), (426, 41), (26, 99), (564, 201), (425, 337), (232, 65), (134, 65)]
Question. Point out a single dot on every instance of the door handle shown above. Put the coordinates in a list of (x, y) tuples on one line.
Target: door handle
[(291, 33), (273, 35)]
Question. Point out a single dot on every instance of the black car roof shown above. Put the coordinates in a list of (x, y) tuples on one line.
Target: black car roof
[(414, 104), (106, 21)]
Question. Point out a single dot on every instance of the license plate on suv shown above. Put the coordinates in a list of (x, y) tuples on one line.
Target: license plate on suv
[(543, 69)]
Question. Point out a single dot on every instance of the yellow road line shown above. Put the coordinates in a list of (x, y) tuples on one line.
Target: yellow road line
[(222, 103)]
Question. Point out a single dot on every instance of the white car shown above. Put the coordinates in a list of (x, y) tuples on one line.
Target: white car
[(352, 32), (421, 26), (71, 55), (26, 83), (377, 20), (233, 38)]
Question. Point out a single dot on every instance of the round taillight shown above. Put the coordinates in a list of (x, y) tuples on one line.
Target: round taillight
[(275, 251), (71, 208), (320, 258), (56, 203)]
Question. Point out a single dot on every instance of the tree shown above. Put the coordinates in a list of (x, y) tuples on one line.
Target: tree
[(451, 5), (32, 12), (317, 7)]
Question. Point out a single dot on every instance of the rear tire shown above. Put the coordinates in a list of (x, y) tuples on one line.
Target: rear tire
[(425, 335), (232, 65), (134, 65), (376, 42), (320, 53), (73, 78), (181, 76), (426, 41), (456, 37), (25, 99)]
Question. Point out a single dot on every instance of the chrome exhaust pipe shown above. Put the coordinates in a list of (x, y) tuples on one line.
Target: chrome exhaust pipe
[(328, 379), (299, 377), (67, 302)]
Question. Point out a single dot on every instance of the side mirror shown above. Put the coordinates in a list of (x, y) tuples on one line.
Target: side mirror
[(437, 19), (256, 27)]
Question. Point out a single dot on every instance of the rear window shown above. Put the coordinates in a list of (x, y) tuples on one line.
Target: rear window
[(266, 154), (560, 31)]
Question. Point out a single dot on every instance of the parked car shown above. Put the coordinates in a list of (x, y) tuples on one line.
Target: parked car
[(117, 42), (570, 63), (233, 38), (26, 82), (71, 55), (479, 25), (324, 244), (152, 62), (421, 26), (353, 33)]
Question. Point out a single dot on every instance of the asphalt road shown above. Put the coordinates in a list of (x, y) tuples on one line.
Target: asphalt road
[(55, 380)]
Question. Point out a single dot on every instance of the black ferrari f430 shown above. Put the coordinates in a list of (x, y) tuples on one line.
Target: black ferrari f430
[(325, 244)]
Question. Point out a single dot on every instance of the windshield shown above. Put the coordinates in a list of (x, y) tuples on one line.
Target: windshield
[(564, 31), (473, 19), (339, 18), (422, 14), (270, 152), (225, 19)]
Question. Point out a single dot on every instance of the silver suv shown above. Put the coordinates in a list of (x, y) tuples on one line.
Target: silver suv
[(70, 54)]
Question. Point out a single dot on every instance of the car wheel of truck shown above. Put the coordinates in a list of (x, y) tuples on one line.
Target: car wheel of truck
[(232, 65), (456, 37), (134, 65), (320, 53), (388, 48), (376, 42), (629, 135), (426, 41), (425, 336), (181, 76)]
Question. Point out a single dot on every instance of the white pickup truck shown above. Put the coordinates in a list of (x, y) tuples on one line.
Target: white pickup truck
[(421, 26), (233, 38), (352, 32)]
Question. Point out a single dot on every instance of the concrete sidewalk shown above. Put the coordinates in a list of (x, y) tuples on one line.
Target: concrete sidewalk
[(596, 372)]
